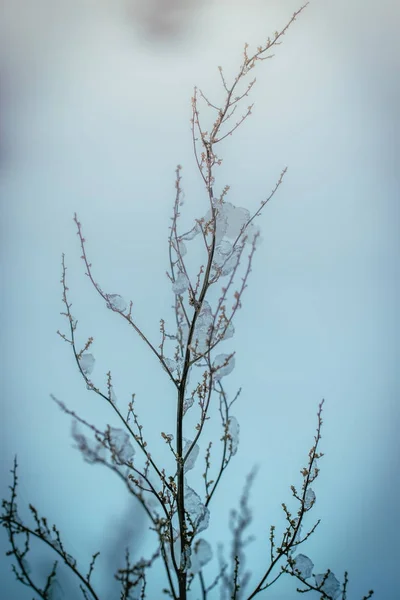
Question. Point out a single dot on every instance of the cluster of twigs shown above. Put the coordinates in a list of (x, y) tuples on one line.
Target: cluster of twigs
[(175, 511)]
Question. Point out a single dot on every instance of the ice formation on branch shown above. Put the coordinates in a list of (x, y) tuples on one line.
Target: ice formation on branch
[(297, 538), (56, 592), (304, 565), (202, 329), (230, 220), (199, 513), (309, 498), (183, 334), (86, 362), (116, 302), (182, 248), (233, 431), (190, 235), (187, 403), (191, 459), (112, 395), (186, 561), (171, 364), (181, 283), (226, 257), (92, 450), (331, 585), (120, 445), (201, 556), (230, 223), (221, 369), (26, 565)]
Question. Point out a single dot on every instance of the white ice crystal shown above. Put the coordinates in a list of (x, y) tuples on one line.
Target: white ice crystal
[(186, 562), (190, 235), (184, 334), (303, 564), (222, 368), (331, 585), (201, 556), (113, 397), (199, 513), (226, 257), (233, 430), (70, 560), (181, 283), (171, 364), (182, 248), (236, 218), (87, 363), (251, 232), (230, 223), (191, 459), (116, 302), (56, 591), (309, 498), (202, 329), (187, 403), (26, 565), (297, 538), (120, 444), (226, 331), (91, 450)]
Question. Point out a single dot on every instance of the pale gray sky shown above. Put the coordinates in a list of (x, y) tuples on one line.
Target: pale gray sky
[(95, 108)]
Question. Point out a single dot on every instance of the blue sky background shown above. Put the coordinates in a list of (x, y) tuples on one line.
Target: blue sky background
[(95, 109)]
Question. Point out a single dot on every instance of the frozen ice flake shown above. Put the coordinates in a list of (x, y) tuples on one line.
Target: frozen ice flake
[(70, 560), (297, 538), (221, 223), (226, 257), (224, 248), (120, 445), (186, 559), (181, 284), (56, 591), (203, 327), (233, 431), (113, 397), (224, 331), (191, 234), (25, 565), (201, 556), (187, 403), (235, 217), (222, 368), (116, 302), (251, 232), (182, 248), (92, 451), (191, 459), (331, 585), (56, 544), (199, 514), (228, 331), (184, 334), (303, 564), (309, 499), (86, 362), (171, 364)]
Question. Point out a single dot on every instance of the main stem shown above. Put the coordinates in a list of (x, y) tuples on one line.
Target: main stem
[(182, 577)]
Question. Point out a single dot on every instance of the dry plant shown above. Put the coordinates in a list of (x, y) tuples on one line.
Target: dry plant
[(177, 512)]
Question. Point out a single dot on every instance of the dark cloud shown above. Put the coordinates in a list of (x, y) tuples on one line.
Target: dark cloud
[(166, 20)]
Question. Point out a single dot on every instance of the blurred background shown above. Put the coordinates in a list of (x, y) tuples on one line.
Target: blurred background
[(94, 117)]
